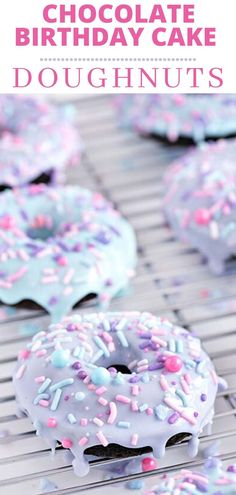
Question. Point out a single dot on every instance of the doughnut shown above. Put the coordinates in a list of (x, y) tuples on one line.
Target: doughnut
[(213, 480), (37, 140), (172, 116), (200, 201), (92, 382), (61, 244)]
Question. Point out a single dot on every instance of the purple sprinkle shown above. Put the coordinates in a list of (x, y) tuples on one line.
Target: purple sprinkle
[(82, 375), (146, 335), (76, 365), (173, 418), (155, 366), (66, 398), (109, 282), (203, 397), (78, 247), (134, 379), (196, 414), (103, 237), (53, 300), (144, 344), (232, 468), (71, 327)]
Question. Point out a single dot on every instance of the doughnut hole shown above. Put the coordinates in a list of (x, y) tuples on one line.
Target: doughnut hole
[(120, 368)]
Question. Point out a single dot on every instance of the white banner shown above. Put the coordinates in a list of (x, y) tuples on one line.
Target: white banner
[(101, 47)]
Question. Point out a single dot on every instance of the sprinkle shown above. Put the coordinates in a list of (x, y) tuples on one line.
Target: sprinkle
[(134, 406), (71, 418), (102, 401), (122, 339), (44, 386), (52, 423), (101, 390), (161, 412), (61, 384), (135, 389), (123, 398), (98, 341), (40, 397), (182, 396), (102, 439), (113, 413), (164, 383), (21, 371), (97, 356), (69, 275), (56, 400), (149, 411), (171, 345), (173, 418), (83, 441), (83, 421), (79, 396), (159, 341), (134, 439), (39, 379), (214, 377), (123, 424), (44, 403), (143, 407), (184, 385), (98, 422), (122, 323), (66, 443)]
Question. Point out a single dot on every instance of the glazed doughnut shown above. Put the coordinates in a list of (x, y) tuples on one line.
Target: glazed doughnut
[(200, 202), (213, 480), (36, 140), (59, 245), (92, 382), (173, 116)]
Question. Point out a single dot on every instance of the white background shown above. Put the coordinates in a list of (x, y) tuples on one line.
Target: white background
[(28, 13)]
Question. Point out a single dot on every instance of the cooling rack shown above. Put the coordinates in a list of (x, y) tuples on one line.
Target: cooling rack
[(172, 280)]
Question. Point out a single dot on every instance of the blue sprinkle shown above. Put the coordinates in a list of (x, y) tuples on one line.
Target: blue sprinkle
[(101, 345), (179, 346), (121, 324), (171, 345), (161, 412), (97, 356), (56, 399), (79, 396), (135, 484), (122, 339), (62, 383), (106, 325), (119, 379), (44, 385), (145, 378), (182, 396), (143, 407), (123, 424), (71, 418)]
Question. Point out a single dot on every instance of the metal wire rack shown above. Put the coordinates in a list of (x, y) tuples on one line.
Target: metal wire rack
[(172, 280)]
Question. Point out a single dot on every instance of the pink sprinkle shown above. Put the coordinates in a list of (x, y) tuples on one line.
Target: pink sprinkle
[(101, 437), (123, 398), (101, 390), (20, 372), (135, 389), (111, 347), (142, 368), (134, 439), (214, 377), (62, 261), (24, 354), (149, 411), (98, 422), (83, 421), (107, 337), (187, 378), (83, 441), (164, 383), (66, 443), (91, 386), (188, 418), (184, 386), (40, 379), (44, 403), (113, 413), (134, 406), (52, 423), (17, 275), (102, 401), (68, 290), (159, 341), (69, 275), (41, 353)]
